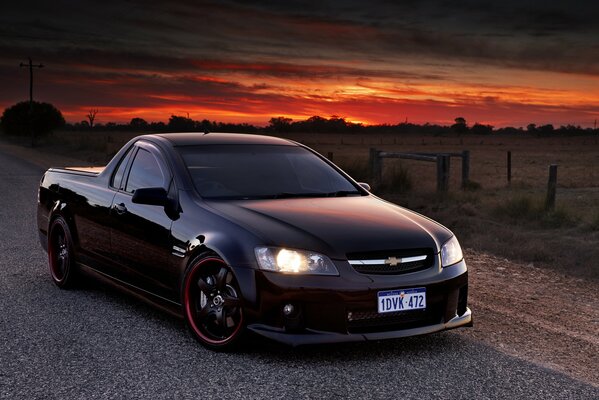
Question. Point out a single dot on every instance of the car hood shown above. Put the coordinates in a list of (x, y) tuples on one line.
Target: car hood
[(335, 226)]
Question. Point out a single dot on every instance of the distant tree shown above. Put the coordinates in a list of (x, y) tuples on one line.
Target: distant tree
[(546, 129), (509, 130), (181, 124), (480, 129), (91, 116), (158, 126), (337, 124), (204, 126), (531, 128), (44, 119), (316, 123), (138, 124), (460, 125), (280, 124)]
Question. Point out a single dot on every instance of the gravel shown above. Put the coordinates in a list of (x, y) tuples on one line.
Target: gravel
[(96, 342)]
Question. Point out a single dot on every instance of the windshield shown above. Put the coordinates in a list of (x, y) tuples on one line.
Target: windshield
[(261, 172)]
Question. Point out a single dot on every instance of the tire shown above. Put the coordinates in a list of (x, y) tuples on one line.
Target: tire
[(212, 304), (61, 257)]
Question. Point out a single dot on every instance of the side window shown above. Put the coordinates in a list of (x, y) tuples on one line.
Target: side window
[(146, 172), (115, 182)]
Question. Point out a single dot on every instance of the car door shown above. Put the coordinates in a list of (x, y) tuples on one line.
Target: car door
[(141, 233)]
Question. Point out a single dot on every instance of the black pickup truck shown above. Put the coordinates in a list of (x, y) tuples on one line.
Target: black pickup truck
[(246, 232)]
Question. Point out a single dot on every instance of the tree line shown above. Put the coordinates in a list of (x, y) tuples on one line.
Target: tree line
[(21, 118), (334, 124)]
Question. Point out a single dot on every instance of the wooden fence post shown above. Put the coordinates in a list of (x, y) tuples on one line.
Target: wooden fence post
[(443, 173), (376, 168), (509, 167), (551, 187), (465, 168)]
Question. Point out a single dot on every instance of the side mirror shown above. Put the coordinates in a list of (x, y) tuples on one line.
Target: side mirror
[(364, 185), (155, 196)]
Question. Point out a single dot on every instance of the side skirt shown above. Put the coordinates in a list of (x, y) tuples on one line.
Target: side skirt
[(155, 300)]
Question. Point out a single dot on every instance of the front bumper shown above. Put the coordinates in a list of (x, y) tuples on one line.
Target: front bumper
[(344, 308), (310, 336)]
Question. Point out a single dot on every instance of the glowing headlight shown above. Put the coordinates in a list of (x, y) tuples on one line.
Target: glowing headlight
[(451, 252), (289, 261)]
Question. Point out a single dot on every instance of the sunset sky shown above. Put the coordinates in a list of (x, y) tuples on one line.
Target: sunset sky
[(509, 62)]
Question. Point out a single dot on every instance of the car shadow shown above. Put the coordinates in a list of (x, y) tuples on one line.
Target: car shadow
[(256, 346)]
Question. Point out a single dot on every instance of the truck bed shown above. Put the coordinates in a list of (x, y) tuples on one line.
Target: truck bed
[(94, 171)]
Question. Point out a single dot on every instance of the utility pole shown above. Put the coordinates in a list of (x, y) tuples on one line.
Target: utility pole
[(31, 65)]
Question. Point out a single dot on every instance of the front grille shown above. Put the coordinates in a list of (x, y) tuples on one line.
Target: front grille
[(385, 269), (372, 321), (391, 262)]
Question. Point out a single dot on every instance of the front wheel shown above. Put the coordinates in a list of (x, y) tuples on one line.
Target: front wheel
[(60, 254), (212, 304)]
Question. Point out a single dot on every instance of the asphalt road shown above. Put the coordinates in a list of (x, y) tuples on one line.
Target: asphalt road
[(97, 342)]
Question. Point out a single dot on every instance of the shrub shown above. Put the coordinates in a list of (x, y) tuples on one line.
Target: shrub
[(472, 186), (357, 169), (44, 118), (594, 222), (527, 209), (397, 180), (520, 208)]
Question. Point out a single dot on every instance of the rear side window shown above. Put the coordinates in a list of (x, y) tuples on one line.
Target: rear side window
[(146, 172), (115, 182)]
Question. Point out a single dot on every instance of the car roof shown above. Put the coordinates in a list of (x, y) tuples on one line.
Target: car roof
[(198, 138)]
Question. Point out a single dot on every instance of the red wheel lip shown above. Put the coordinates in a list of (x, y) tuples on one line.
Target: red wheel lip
[(189, 313)]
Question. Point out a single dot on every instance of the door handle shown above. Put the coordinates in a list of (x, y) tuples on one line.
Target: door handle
[(120, 208)]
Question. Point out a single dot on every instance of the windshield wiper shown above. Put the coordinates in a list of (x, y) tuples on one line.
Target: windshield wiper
[(291, 195), (342, 193)]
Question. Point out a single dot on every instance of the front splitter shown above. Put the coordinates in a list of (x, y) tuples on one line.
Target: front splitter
[(310, 336)]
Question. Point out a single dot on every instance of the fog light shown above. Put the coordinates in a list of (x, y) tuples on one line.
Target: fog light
[(288, 309)]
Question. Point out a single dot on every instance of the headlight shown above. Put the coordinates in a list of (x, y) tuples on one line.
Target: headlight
[(297, 262), (451, 252)]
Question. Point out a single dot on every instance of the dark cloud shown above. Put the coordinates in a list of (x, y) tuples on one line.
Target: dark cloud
[(529, 34), (219, 52)]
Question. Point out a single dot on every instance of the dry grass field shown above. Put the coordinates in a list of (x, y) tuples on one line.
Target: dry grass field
[(508, 220)]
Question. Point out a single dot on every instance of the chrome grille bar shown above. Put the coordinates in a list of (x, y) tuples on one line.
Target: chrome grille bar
[(384, 261)]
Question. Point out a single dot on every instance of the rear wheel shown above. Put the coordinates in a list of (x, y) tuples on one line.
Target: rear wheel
[(212, 304), (60, 254)]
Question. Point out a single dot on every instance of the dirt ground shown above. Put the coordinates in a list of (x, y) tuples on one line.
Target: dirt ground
[(537, 314)]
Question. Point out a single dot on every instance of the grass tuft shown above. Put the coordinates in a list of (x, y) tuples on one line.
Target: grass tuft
[(526, 209), (356, 168), (472, 186), (397, 180), (594, 221)]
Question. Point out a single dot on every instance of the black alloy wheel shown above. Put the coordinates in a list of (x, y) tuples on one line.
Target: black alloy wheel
[(60, 254), (212, 304)]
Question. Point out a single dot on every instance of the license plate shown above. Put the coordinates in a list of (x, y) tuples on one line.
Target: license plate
[(402, 300)]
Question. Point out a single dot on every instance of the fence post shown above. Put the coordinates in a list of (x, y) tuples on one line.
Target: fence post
[(551, 187), (465, 168), (509, 168), (442, 173), (376, 168), (330, 155)]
